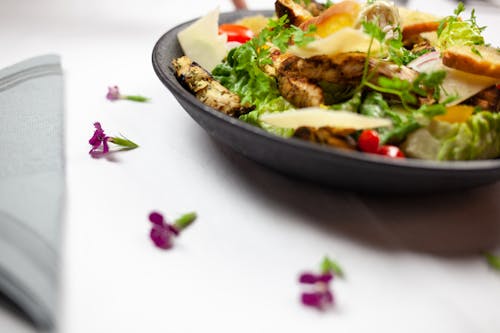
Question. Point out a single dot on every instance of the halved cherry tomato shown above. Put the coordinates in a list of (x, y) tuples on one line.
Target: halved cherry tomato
[(236, 32), (369, 141), (391, 151)]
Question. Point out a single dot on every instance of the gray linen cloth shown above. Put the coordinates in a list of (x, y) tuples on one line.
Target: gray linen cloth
[(31, 185)]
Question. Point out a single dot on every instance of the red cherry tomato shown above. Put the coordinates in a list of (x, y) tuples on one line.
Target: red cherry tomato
[(369, 141), (236, 32), (391, 151)]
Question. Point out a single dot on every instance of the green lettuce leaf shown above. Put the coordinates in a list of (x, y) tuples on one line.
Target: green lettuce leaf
[(276, 105), (478, 138), (455, 31)]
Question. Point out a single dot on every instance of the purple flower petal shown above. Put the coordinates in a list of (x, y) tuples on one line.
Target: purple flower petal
[(320, 299), (161, 237), (98, 138), (113, 93), (325, 278), (156, 218), (105, 146), (311, 278), (308, 278)]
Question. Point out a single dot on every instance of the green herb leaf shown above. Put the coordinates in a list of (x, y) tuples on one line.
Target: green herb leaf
[(123, 142), (330, 266), (493, 261), (185, 220), (372, 29)]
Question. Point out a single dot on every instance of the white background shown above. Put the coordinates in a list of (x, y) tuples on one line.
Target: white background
[(412, 263)]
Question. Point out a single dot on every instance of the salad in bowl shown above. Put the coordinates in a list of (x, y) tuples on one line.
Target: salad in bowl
[(368, 77)]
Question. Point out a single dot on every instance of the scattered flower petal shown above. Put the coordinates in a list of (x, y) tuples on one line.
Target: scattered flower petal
[(319, 299), (162, 233), (311, 278), (99, 142), (161, 237), (114, 95), (318, 293), (156, 218)]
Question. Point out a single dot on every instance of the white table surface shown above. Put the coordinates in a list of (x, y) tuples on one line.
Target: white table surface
[(412, 263)]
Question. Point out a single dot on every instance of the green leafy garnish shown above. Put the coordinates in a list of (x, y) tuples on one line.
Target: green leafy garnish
[(303, 2), (476, 139), (493, 260), (330, 266), (453, 30), (243, 70), (393, 46), (328, 3), (280, 34), (411, 114)]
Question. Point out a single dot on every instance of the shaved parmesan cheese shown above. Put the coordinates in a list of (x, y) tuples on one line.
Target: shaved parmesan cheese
[(456, 83), (344, 40), (318, 117), (202, 43)]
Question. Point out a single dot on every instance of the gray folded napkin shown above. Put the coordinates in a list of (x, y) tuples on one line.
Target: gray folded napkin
[(31, 185)]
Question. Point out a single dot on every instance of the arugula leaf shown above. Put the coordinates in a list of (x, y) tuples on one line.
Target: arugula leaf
[(393, 43), (242, 71)]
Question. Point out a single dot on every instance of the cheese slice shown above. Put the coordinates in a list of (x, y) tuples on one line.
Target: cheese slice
[(318, 117), (456, 83), (341, 41), (202, 43)]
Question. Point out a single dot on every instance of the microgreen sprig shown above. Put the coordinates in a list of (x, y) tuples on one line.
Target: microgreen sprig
[(408, 92), (493, 260)]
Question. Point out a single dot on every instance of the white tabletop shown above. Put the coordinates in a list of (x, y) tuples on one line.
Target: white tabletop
[(412, 264)]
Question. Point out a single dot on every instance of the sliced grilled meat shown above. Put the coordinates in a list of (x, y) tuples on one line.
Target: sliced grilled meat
[(315, 8), (327, 135), (346, 67), (295, 12), (340, 68), (488, 99), (209, 91), (300, 91)]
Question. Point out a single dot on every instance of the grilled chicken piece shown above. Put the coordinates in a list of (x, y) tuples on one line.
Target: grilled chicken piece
[(346, 67), (341, 68), (326, 135), (315, 8), (488, 99), (295, 12), (209, 91), (300, 91)]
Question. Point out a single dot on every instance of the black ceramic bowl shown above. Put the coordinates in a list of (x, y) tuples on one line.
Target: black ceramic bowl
[(325, 165)]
